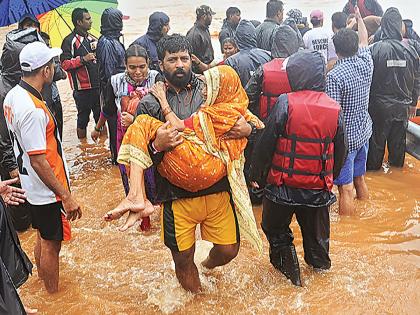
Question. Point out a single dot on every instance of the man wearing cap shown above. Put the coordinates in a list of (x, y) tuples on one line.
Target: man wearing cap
[(40, 159), (199, 36), (320, 38)]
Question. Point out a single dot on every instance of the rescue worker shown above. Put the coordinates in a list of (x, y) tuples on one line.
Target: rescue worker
[(274, 18), (366, 7), (249, 57), (394, 91), (158, 27), (270, 80), (296, 157)]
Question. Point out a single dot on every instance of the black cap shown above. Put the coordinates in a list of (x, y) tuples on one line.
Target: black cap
[(204, 10)]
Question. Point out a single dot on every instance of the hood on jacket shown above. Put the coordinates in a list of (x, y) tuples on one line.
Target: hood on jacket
[(285, 42), (156, 22), (245, 36), (28, 16), (15, 41), (306, 71), (391, 24), (111, 22)]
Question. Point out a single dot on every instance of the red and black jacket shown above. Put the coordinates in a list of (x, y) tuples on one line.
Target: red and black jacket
[(303, 145), (82, 75)]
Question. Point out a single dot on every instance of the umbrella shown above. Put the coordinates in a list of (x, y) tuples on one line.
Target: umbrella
[(11, 11), (57, 22)]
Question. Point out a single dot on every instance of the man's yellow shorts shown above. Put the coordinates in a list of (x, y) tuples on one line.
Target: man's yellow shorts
[(215, 213)]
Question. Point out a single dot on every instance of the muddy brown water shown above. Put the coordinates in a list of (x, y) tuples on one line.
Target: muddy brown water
[(375, 254)]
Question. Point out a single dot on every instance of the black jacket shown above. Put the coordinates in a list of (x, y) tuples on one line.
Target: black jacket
[(396, 75), (307, 73), (200, 40), (154, 33), (227, 31), (249, 58), (285, 44), (184, 104), (265, 34)]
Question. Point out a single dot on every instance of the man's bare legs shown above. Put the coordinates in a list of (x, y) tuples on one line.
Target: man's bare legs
[(346, 199), (220, 255), (47, 262), (186, 270), (362, 191)]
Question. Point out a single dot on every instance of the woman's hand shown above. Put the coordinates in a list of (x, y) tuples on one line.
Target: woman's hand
[(126, 119), (159, 91), (12, 196)]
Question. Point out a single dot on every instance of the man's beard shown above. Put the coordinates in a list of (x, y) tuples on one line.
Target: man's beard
[(179, 82)]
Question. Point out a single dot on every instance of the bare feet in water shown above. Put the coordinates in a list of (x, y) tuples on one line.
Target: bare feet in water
[(133, 217), (125, 205)]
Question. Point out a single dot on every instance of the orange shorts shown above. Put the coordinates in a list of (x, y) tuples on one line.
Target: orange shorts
[(215, 213)]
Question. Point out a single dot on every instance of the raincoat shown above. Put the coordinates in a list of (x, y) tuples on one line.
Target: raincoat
[(395, 87), (249, 57), (200, 40), (154, 33), (110, 54), (307, 73)]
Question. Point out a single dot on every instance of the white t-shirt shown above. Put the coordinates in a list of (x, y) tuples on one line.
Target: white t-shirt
[(34, 131), (320, 39)]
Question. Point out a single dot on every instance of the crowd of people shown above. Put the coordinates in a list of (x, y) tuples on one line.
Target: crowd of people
[(289, 112)]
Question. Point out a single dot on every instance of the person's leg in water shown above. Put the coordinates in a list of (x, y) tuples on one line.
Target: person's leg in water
[(185, 269), (49, 264), (362, 192), (221, 255), (276, 219), (37, 254)]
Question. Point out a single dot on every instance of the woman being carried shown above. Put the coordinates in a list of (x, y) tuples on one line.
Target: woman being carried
[(203, 158)]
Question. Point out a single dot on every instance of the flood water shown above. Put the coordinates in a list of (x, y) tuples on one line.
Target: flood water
[(375, 254)]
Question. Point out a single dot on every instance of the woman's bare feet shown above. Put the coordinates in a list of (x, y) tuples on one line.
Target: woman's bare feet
[(30, 310), (127, 204), (133, 217)]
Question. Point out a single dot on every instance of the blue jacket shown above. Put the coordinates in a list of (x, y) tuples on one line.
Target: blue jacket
[(249, 57), (154, 33), (110, 52)]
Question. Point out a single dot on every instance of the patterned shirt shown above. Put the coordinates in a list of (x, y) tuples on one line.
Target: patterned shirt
[(349, 84)]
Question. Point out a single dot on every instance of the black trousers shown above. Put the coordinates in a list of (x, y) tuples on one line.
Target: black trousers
[(393, 134), (314, 224)]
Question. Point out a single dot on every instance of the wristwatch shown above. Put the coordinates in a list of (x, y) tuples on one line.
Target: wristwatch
[(254, 128)]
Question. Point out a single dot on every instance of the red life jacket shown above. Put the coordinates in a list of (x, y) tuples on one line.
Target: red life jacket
[(304, 156), (364, 12), (275, 83)]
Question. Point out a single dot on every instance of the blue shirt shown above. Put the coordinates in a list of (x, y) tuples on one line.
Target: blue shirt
[(349, 84)]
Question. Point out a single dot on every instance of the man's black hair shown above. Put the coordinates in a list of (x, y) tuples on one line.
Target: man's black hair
[(273, 7), (77, 15), (232, 11), (346, 42), (339, 20), (173, 44), (316, 22), (36, 71)]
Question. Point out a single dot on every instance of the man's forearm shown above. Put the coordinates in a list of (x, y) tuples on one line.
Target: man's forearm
[(43, 170)]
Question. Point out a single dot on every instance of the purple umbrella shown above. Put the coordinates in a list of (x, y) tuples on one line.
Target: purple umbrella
[(11, 11)]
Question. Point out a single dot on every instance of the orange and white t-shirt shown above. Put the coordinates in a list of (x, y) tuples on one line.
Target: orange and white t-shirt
[(34, 131)]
